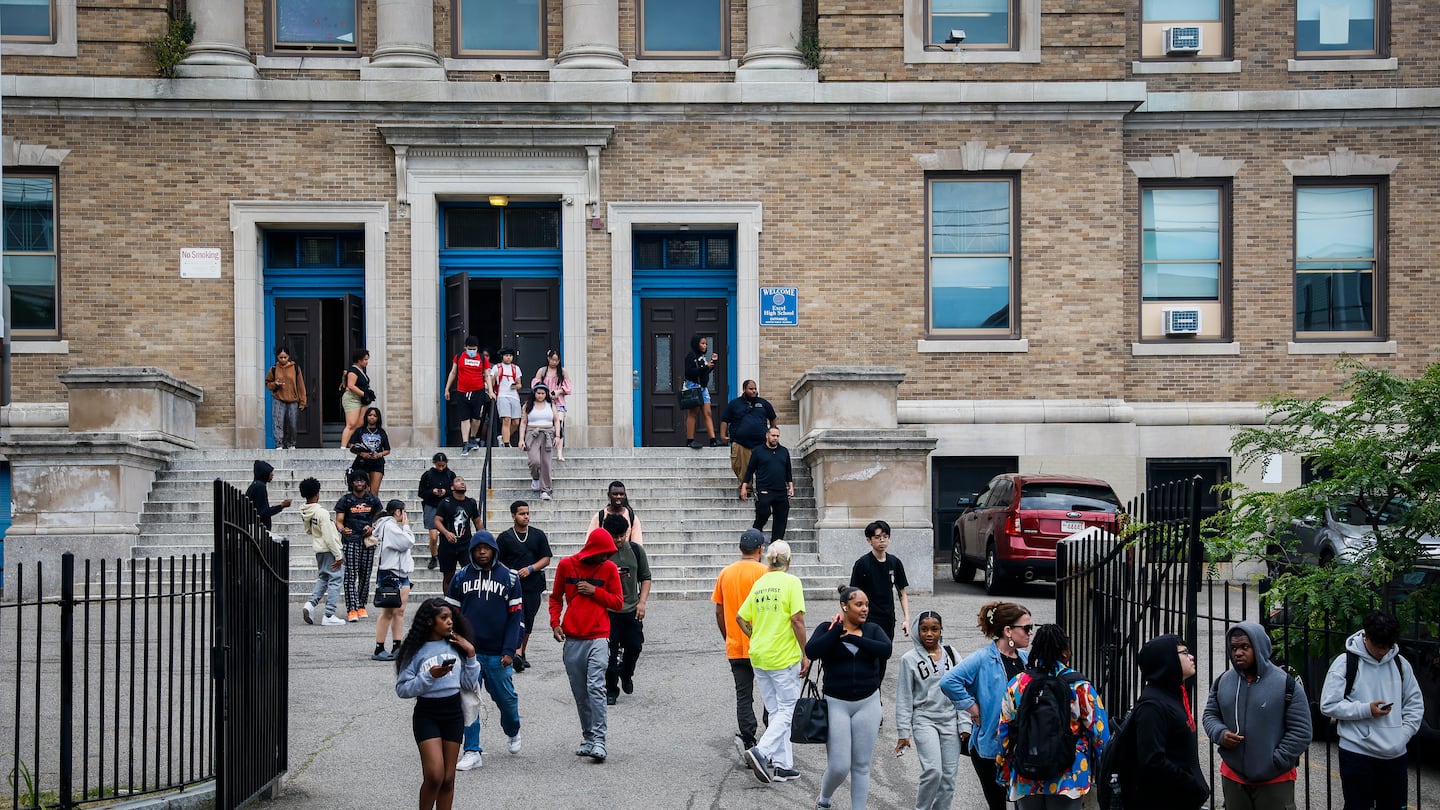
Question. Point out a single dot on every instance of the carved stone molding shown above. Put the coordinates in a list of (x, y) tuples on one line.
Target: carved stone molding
[(974, 156), (15, 153), (1185, 163), (1341, 163)]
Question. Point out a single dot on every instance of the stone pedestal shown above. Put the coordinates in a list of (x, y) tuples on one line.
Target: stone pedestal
[(82, 489), (773, 28), (218, 50), (591, 47), (405, 42), (865, 467)]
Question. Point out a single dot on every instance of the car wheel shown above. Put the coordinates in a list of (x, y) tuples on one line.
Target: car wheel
[(994, 576), (961, 569), (1275, 562), (1327, 556)]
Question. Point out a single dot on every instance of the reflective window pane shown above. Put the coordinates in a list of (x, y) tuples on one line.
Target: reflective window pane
[(1334, 222), (1180, 234), (475, 228), (532, 228), (970, 293), (300, 23), (985, 22), (1182, 10), (352, 251), (30, 214), (500, 27), (970, 217), (1335, 251), (1334, 301), (1339, 26), (682, 27), (1180, 281), (26, 20), (32, 284), (664, 365)]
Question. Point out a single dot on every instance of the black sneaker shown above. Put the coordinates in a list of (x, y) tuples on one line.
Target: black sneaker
[(758, 766), (611, 698), (785, 774), (714, 442), (627, 685), (694, 445), (433, 564)]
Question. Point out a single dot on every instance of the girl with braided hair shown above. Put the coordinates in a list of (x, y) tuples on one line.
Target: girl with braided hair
[(977, 686)]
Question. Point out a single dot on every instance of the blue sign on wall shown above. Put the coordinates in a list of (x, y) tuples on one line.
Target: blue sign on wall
[(779, 306)]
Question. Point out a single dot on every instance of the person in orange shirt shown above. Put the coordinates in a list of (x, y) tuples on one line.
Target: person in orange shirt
[(731, 588)]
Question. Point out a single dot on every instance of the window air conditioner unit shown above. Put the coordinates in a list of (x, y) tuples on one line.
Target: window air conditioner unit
[(1182, 39), (1181, 321)]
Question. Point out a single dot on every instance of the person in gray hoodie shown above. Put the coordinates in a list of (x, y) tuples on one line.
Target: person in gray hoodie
[(1259, 717), (1378, 710), (396, 565), (925, 717)]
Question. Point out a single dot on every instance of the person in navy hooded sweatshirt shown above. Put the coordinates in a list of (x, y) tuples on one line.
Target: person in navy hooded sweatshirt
[(489, 596)]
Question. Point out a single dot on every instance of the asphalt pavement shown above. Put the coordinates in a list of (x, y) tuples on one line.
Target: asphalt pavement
[(670, 743)]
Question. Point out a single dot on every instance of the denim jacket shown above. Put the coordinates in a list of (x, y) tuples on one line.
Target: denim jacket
[(981, 678)]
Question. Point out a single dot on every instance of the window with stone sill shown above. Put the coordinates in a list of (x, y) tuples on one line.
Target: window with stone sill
[(1184, 255), (313, 26), (973, 262), (682, 29), (27, 21), (1211, 17), (500, 28), (32, 254), (989, 24), (1340, 272), (1338, 29)]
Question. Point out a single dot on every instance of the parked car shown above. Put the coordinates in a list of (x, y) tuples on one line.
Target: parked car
[(1341, 533), (1011, 528)]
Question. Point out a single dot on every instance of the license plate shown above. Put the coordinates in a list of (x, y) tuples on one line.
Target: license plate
[(1072, 526)]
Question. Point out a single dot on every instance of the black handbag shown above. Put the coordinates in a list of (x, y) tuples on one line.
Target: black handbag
[(811, 723), (387, 595), (691, 398)]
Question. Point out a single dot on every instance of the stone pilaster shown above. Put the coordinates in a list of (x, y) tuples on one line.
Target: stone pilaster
[(591, 49), (864, 466), (218, 50), (405, 42), (773, 28)]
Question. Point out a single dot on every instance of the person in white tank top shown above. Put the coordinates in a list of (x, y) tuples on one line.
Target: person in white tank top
[(537, 438)]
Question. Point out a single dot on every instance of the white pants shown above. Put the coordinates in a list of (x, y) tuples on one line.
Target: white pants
[(779, 689)]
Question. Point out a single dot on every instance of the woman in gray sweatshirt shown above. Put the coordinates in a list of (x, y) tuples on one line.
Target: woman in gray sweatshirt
[(926, 718)]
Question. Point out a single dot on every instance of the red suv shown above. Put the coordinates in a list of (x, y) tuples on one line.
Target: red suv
[(1011, 528)]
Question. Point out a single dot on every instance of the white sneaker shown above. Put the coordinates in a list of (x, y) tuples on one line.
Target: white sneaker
[(332, 621), (534, 485), (469, 760), (513, 744), (544, 496), (307, 612)]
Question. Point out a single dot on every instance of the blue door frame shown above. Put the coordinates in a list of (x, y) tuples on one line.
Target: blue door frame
[(678, 284)]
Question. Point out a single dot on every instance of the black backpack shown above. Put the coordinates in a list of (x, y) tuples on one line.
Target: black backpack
[(1043, 746), (1117, 763)]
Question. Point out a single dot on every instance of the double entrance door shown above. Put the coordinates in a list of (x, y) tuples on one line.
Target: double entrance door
[(302, 326), (666, 327)]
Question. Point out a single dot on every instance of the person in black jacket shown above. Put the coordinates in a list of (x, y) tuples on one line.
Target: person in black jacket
[(260, 496), (698, 365), (853, 652), (771, 477), (1166, 749), (434, 488)]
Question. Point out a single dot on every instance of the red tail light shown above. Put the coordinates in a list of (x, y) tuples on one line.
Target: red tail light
[(1012, 526)]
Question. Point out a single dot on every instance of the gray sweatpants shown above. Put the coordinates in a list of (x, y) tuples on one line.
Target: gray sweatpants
[(850, 747), (585, 661), (938, 748)]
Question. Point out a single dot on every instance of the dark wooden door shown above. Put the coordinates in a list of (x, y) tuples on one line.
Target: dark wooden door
[(297, 328), (457, 327), (666, 326), (530, 322)]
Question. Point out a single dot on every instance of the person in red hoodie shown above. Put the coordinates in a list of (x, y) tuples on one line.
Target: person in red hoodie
[(590, 585)]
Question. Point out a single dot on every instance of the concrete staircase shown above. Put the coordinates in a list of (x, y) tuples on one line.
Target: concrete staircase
[(685, 498)]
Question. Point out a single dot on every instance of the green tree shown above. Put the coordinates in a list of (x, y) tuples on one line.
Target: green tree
[(1377, 445)]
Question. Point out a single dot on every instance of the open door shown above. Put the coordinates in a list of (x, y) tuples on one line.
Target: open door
[(457, 327), (531, 322), (298, 330)]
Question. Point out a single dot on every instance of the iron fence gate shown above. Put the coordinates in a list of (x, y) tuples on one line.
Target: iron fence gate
[(252, 651)]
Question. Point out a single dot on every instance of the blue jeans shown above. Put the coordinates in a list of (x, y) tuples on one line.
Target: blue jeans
[(499, 682)]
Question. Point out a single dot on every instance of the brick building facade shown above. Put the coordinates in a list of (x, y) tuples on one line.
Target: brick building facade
[(1056, 167)]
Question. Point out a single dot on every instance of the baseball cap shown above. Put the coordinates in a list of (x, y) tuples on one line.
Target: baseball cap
[(752, 539)]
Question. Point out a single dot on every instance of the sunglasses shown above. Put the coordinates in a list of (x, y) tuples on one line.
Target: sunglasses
[(1028, 628)]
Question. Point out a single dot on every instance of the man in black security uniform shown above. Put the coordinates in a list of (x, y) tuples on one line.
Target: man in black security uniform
[(743, 425), (456, 518), (525, 550), (774, 484)]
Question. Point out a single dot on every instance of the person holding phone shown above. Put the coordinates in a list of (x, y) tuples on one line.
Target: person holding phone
[(699, 362), (436, 661)]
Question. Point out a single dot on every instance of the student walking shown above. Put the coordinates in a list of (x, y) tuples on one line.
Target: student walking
[(627, 625), (396, 564), (488, 594), (468, 378), (1372, 692), (587, 587), (435, 486), (286, 384), (743, 425), (552, 375), (371, 444), (852, 651), (1083, 715), (977, 686), (435, 663), (882, 576), (259, 494), (355, 513), (770, 476), (537, 432), (355, 394), (525, 550), (1260, 718), (925, 718), (329, 555), (699, 363), (456, 518), (617, 502), (731, 588), (1168, 772), (773, 616), (505, 388)]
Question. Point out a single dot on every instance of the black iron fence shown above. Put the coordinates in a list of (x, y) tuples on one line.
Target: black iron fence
[(1116, 591), (109, 682)]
